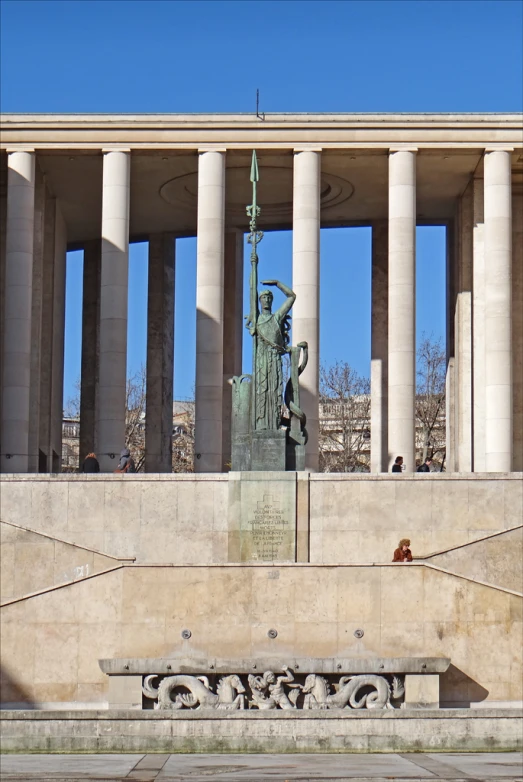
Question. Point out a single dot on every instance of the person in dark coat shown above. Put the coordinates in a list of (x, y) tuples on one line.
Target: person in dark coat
[(91, 463), (425, 467), (403, 552), (398, 464)]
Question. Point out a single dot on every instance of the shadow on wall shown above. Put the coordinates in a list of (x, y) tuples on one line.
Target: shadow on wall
[(459, 690), (11, 694)]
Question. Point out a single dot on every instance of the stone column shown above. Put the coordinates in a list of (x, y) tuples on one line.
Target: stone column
[(498, 311), (113, 307), (306, 285), (450, 415), (209, 315), (478, 329), (44, 388), (3, 231), (57, 378), (40, 347), (379, 348), (18, 296), (452, 256), (402, 305), (517, 327), (160, 354), (90, 372), (232, 329), (463, 334)]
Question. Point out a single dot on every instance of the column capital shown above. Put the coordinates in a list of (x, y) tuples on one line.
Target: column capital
[(402, 148), (201, 150), (501, 148), (105, 150), (307, 149), (18, 148)]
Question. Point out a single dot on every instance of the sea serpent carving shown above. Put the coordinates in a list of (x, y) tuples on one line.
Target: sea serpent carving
[(271, 691), (228, 695), (318, 695)]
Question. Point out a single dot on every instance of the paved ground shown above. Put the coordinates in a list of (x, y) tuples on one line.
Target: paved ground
[(483, 767)]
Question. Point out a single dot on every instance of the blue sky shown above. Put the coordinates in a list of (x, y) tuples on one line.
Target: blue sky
[(418, 56)]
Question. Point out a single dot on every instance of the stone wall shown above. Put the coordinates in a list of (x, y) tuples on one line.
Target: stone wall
[(454, 730), (494, 560), (183, 519), (361, 518), (51, 642), (155, 518), (31, 561)]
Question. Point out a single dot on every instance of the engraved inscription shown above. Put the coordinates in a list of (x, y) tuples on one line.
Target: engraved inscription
[(267, 520), (269, 529)]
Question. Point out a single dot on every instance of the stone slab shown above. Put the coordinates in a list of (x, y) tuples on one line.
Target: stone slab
[(422, 691), (125, 692), (200, 768), (118, 667), (343, 518), (58, 766), (446, 730), (267, 517)]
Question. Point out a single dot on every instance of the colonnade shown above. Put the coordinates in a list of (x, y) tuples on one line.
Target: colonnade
[(33, 310), (482, 424)]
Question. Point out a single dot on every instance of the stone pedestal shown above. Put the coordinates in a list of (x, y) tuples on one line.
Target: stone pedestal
[(125, 692), (421, 691), (295, 451), (268, 450)]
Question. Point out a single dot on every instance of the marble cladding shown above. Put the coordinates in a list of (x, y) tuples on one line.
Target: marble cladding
[(51, 642), (185, 519), (262, 517)]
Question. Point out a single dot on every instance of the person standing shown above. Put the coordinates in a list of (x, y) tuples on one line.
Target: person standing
[(425, 467), (398, 464), (91, 463)]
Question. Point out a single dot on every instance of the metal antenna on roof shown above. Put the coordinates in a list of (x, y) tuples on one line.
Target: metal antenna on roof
[(260, 116)]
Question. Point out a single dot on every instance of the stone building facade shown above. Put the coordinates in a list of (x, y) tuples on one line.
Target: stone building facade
[(99, 182)]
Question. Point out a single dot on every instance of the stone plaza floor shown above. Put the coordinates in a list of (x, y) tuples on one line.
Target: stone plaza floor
[(481, 767)]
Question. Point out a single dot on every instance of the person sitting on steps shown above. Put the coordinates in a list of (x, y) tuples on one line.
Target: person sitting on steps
[(126, 463), (403, 552)]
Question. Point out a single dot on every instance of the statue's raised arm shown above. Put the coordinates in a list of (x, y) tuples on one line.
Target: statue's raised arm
[(289, 301)]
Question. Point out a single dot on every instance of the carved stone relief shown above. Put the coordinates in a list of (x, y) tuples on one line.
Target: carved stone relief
[(274, 691)]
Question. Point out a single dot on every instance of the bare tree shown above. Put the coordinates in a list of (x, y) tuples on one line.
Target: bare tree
[(72, 405), (183, 436), (344, 419), (430, 399), (135, 401)]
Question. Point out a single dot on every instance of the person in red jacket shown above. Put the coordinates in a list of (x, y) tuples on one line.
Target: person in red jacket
[(403, 552)]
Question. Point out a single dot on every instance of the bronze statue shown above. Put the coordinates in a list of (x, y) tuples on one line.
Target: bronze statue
[(270, 333)]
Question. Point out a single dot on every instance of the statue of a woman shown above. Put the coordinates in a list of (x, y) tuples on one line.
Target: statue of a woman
[(272, 338)]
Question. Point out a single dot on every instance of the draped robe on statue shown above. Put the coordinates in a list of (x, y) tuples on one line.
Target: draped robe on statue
[(269, 372)]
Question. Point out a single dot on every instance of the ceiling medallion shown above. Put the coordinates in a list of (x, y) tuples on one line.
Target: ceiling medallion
[(275, 192)]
